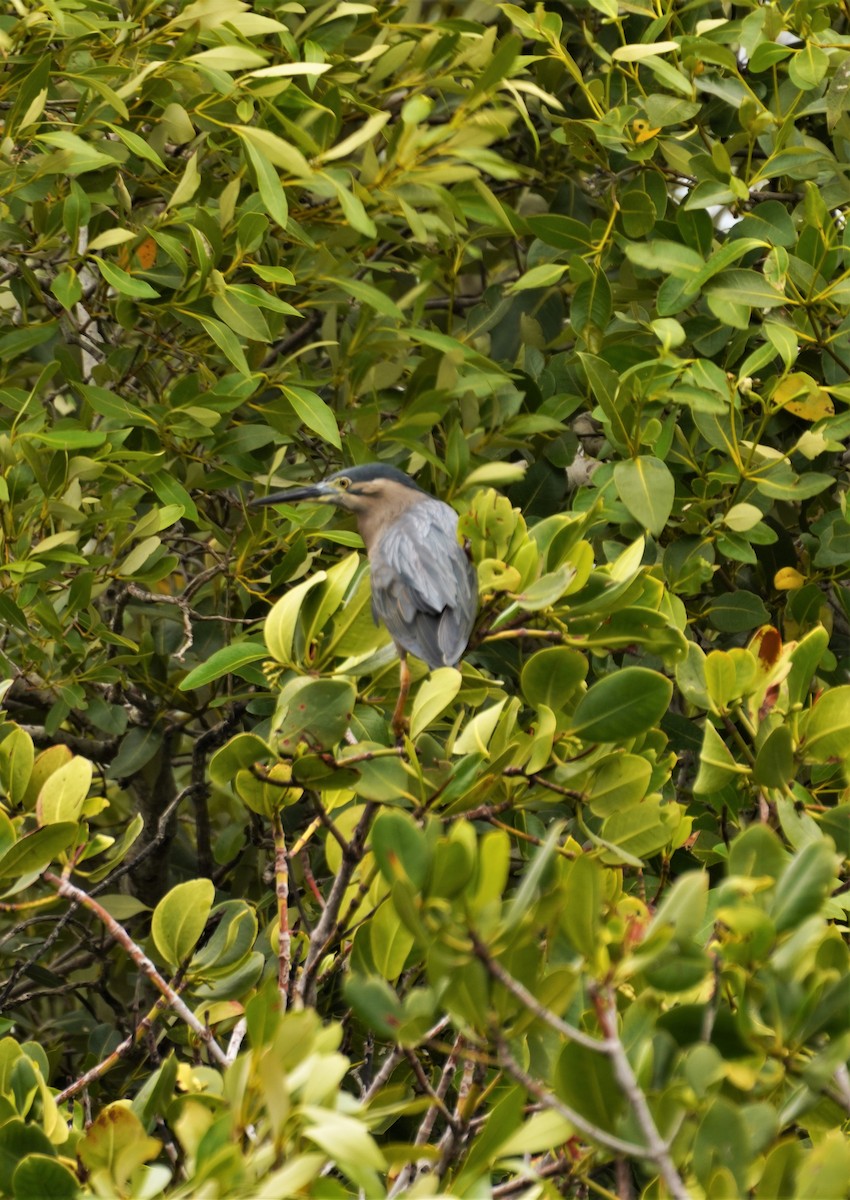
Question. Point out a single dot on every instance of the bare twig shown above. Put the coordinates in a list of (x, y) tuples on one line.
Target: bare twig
[(326, 927), (71, 892), (531, 1002), (120, 1051), (393, 1059), (438, 1105), (236, 1039), (284, 938), (132, 591), (841, 1093), (656, 1148), (548, 1100)]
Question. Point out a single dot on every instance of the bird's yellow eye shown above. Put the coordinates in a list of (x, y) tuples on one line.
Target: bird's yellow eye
[(344, 483)]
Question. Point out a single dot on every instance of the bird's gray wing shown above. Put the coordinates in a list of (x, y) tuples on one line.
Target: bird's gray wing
[(424, 588)]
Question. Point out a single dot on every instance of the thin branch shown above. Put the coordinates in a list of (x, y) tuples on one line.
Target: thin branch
[(70, 891), (438, 1105), (548, 1100), (657, 1149), (570, 793), (132, 591), (284, 937), (841, 1093), (393, 1059), (236, 1040), (99, 750), (327, 926), (120, 1051), (293, 340), (529, 1001)]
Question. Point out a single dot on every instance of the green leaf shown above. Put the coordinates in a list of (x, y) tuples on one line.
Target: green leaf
[(280, 624), (179, 919), (372, 296), (383, 779), (240, 752), (81, 155), (67, 289), (400, 848), (479, 730), (585, 1081), (314, 412), (137, 145), (17, 757), (189, 183), (139, 746), (64, 792), (42, 1177), (808, 67), (228, 660), (18, 1141), (542, 276), (138, 557), (717, 766), (825, 1170), (804, 885), (391, 942), (344, 1139), (36, 850), (230, 944), (743, 287), (433, 698), (827, 729), (564, 233), (622, 705), (838, 94), (774, 765), (277, 151), (640, 831), (551, 676), (738, 612), (721, 1140), (670, 258), (375, 1002), (581, 905), (646, 487), (226, 341), (620, 781), (592, 304), (757, 852), (126, 284), (635, 52), (68, 439), (317, 711), (268, 182)]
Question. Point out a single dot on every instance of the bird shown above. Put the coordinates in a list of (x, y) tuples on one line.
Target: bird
[(424, 586)]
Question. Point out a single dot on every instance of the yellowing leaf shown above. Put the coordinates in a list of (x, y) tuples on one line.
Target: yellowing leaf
[(799, 394), (643, 131), (788, 578), (635, 52)]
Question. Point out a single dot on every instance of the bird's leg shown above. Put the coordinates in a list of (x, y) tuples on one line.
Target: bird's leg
[(399, 722)]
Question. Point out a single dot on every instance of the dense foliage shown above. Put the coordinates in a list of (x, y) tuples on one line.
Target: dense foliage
[(584, 270)]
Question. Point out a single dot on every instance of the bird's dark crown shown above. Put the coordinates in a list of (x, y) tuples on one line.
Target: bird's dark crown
[(371, 472)]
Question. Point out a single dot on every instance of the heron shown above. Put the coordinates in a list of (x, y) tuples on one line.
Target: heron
[(424, 587)]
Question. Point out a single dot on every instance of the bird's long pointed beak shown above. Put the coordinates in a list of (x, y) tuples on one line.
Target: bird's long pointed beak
[(315, 491)]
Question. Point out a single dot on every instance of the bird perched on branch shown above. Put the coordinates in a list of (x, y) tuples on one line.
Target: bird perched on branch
[(424, 588)]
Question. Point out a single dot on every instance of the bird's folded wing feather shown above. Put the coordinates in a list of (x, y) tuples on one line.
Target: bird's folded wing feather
[(423, 586)]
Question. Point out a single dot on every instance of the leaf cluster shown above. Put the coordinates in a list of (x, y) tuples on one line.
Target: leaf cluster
[(584, 270)]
